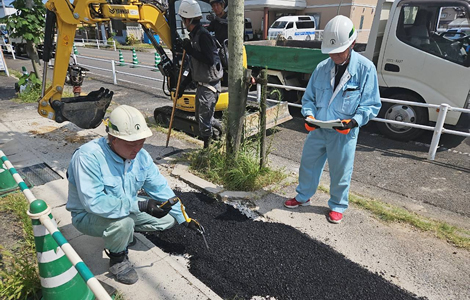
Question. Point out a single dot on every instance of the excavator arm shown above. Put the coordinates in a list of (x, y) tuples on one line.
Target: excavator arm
[(88, 111)]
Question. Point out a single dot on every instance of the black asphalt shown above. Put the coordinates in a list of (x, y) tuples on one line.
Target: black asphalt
[(253, 258)]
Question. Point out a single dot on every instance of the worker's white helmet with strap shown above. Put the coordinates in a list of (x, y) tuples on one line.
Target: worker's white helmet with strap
[(338, 35), (127, 123), (189, 9)]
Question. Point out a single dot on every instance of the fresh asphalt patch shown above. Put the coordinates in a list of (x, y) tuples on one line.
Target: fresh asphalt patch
[(248, 258)]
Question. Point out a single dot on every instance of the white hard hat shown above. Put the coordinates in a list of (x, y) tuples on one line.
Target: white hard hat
[(189, 9), (127, 123), (338, 35)]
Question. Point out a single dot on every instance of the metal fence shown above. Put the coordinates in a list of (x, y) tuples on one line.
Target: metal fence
[(438, 129), (95, 42)]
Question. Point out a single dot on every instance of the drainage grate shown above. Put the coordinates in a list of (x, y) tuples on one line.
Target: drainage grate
[(39, 174)]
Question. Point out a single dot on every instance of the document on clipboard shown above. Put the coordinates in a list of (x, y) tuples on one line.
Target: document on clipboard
[(325, 124)]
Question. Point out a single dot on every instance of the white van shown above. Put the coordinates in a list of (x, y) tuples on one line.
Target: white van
[(293, 28)]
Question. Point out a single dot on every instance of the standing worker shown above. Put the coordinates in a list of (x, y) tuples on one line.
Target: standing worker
[(104, 178), (342, 87), (220, 23), (205, 65)]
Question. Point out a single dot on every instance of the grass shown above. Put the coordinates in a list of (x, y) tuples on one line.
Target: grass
[(33, 94), (391, 214), (18, 272), (241, 173)]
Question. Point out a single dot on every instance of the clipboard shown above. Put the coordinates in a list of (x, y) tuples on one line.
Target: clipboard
[(325, 124)]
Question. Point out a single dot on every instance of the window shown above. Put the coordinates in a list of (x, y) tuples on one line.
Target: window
[(290, 25), (304, 25), (279, 24), (362, 23), (422, 27)]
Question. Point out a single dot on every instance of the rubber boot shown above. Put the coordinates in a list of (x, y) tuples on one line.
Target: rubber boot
[(121, 268), (207, 141)]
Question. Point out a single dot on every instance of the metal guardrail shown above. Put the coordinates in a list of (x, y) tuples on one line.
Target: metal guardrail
[(438, 129), (95, 42)]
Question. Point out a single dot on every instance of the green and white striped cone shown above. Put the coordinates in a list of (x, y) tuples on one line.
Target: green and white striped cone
[(75, 51), (135, 61), (59, 278), (157, 61), (121, 59), (7, 182)]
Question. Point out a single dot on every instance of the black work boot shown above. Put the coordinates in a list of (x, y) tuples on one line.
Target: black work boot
[(207, 141), (121, 268)]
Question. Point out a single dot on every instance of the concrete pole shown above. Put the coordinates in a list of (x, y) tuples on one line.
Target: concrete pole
[(236, 77)]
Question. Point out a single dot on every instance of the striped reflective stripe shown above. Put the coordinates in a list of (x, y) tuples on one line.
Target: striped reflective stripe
[(40, 230), (59, 280), (48, 256)]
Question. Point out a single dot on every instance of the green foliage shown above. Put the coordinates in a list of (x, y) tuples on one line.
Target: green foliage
[(131, 40), (18, 271), (27, 23), (240, 173)]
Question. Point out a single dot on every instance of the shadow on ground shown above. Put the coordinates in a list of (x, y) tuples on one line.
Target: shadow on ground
[(253, 258)]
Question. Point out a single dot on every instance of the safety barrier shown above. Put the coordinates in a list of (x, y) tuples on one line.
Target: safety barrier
[(95, 42), (62, 277), (113, 69), (438, 129)]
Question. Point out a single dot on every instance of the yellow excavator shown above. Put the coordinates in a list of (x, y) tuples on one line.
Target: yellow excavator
[(88, 111)]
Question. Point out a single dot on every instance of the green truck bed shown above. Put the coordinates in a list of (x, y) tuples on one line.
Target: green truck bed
[(288, 55)]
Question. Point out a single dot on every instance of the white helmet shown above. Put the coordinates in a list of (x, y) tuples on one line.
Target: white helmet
[(338, 35), (127, 123), (189, 9)]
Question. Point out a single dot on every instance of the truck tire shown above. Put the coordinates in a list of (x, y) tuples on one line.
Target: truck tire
[(404, 113), (161, 118)]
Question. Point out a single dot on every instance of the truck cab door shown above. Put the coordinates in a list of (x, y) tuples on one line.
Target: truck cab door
[(416, 56)]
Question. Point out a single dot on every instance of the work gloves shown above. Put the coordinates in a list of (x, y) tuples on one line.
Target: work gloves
[(187, 46), (309, 126), (347, 126), (194, 225), (152, 207)]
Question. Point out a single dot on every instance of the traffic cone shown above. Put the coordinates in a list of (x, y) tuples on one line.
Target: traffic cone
[(135, 61), (157, 61), (121, 59), (7, 182), (59, 278), (75, 51)]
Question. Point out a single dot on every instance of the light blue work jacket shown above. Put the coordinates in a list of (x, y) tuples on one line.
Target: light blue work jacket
[(356, 96), (102, 183)]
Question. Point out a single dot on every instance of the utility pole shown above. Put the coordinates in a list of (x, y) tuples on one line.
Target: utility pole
[(237, 78)]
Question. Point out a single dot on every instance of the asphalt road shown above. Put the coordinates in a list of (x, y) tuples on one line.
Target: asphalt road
[(384, 169)]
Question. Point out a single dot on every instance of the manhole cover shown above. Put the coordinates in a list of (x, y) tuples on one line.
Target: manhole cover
[(39, 174)]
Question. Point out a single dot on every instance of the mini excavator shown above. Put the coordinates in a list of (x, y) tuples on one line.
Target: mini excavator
[(88, 111)]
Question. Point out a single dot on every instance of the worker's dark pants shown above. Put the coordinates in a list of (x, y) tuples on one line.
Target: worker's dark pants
[(205, 106)]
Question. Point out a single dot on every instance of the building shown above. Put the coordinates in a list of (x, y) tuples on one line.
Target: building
[(264, 12)]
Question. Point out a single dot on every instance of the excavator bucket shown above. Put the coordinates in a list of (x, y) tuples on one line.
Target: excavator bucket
[(84, 111)]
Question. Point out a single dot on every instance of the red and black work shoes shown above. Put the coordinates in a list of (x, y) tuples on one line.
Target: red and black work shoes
[(292, 203)]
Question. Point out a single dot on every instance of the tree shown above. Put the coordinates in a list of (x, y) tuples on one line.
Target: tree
[(28, 22)]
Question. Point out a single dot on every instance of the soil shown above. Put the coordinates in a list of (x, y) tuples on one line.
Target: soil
[(250, 258)]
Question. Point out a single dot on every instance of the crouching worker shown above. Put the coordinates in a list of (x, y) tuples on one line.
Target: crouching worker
[(105, 176)]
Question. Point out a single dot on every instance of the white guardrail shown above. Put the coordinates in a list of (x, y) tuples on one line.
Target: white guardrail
[(438, 129), (97, 43)]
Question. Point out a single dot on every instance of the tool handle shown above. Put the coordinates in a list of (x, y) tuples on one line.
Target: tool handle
[(170, 202)]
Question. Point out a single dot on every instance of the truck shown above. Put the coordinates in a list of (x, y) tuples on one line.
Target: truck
[(415, 60)]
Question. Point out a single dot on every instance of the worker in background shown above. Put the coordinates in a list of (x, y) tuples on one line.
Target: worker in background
[(104, 178), (342, 87), (220, 23), (206, 68)]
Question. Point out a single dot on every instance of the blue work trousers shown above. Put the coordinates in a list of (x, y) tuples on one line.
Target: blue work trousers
[(118, 233), (339, 149)]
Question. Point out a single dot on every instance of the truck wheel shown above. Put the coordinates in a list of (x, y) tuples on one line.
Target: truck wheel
[(402, 113)]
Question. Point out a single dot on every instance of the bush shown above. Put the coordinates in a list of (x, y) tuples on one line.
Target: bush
[(131, 40)]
